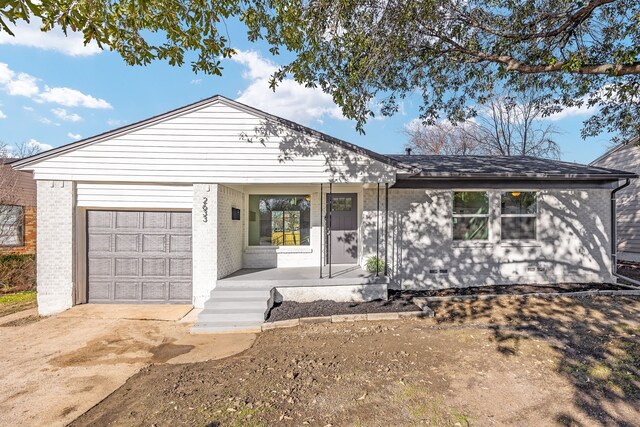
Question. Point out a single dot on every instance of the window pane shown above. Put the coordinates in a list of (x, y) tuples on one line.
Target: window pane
[(470, 228), (519, 203), (518, 228), (11, 225), (342, 204), (471, 202), (279, 220)]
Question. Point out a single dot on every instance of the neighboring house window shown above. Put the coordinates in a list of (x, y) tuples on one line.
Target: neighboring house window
[(11, 225), (518, 215), (279, 220), (470, 215)]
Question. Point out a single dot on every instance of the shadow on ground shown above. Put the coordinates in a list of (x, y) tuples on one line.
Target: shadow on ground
[(597, 338)]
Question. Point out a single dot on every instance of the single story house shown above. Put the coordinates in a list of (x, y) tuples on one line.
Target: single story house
[(17, 211), (626, 156), (228, 208)]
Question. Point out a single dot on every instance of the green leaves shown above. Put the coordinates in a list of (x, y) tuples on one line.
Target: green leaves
[(370, 54)]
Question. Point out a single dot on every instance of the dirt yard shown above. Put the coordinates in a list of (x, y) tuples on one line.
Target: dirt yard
[(518, 362)]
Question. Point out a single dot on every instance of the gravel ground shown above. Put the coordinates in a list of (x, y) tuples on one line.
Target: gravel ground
[(402, 300)]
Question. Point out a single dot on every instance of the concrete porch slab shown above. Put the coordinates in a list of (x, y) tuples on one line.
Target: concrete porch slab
[(167, 312)]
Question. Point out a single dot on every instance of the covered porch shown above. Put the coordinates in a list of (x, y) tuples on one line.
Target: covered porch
[(341, 274)]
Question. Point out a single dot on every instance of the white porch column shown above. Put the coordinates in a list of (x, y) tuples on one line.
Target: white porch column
[(205, 241), (55, 246)]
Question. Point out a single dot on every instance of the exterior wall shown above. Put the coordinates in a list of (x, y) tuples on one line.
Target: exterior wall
[(213, 143), (138, 196), (30, 229), (55, 246), (230, 232), (572, 245), (205, 241), (20, 189), (627, 158)]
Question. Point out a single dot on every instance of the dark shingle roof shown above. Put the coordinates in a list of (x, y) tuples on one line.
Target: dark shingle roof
[(504, 167)]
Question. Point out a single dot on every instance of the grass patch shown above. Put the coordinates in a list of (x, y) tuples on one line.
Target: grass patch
[(13, 303), (422, 405)]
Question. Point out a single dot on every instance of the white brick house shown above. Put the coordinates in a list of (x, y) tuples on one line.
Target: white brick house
[(226, 207)]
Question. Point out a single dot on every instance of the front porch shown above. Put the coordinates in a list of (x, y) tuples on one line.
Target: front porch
[(242, 300), (341, 274)]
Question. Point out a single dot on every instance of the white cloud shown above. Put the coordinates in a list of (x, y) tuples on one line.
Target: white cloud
[(74, 136), (47, 121), (23, 85), (27, 108), (61, 113), (32, 143), (6, 74), (2, 115), (583, 110), (196, 81), (290, 100), (71, 98), (29, 34), (115, 122)]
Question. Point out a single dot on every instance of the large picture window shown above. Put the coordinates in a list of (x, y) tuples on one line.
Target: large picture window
[(279, 220), (518, 215), (11, 225), (470, 215)]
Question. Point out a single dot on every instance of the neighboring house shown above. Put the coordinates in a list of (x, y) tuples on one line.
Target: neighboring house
[(225, 207), (626, 157), (17, 211)]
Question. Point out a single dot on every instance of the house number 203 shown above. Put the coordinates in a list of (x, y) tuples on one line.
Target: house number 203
[(205, 210)]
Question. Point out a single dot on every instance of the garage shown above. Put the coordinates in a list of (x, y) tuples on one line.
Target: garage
[(139, 257)]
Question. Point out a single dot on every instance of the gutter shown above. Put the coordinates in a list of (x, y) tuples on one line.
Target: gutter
[(614, 237)]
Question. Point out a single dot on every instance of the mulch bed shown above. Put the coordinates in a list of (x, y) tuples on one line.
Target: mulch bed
[(293, 310), (629, 269), (402, 300)]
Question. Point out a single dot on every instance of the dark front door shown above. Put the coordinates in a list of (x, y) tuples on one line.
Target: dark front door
[(343, 228)]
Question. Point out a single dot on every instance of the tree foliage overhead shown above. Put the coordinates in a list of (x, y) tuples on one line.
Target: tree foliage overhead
[(372, 53)]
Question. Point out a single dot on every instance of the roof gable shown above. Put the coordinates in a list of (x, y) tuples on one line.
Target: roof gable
[(213, 140)]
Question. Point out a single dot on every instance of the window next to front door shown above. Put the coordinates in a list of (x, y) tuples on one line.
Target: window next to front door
[(279, 220)]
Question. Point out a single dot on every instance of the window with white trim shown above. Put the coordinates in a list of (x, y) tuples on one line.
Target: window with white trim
[(11, 225), (470, 215), (519, 215)]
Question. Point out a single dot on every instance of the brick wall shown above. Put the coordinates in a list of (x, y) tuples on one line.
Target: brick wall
[(230, 232), (55, 233), (29, 246), (205, 241), (573, 241)]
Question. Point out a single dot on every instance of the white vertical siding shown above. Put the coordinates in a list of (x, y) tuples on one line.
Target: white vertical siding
[(216, 143)]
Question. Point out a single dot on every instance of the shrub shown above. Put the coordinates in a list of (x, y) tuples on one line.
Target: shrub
[(373, 262), (17, 273)]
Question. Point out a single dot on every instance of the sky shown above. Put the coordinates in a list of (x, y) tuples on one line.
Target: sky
[(54, 90)]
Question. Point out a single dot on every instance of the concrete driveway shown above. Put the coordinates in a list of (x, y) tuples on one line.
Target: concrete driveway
[(56, 368)]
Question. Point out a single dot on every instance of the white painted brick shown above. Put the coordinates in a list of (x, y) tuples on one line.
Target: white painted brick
[(205, 242), (574, 236), (55, 246)]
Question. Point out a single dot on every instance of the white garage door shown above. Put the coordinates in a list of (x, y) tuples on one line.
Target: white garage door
[(139, 257)]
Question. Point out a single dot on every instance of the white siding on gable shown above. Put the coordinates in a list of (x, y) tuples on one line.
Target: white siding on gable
[(627, 159), (100, 195), (216, 143)]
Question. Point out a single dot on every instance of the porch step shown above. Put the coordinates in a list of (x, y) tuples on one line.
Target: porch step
[(233, 309)]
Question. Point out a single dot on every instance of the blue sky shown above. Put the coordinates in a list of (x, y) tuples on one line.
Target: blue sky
[(54, 90)]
